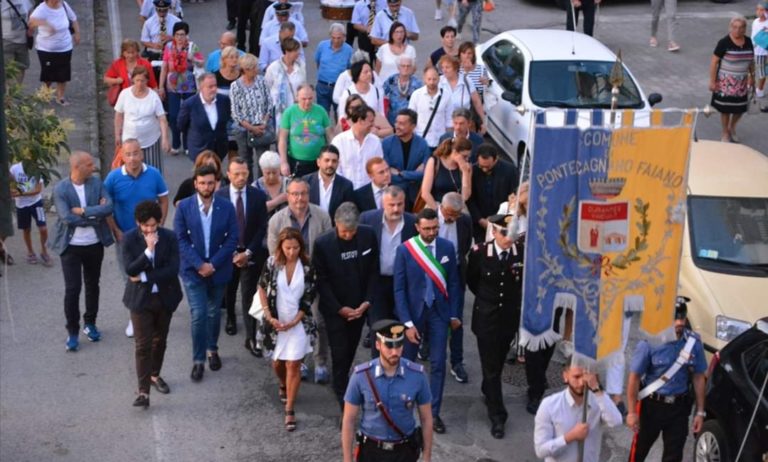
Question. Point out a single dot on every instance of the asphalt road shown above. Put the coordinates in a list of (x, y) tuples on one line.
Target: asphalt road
[(69, 407)]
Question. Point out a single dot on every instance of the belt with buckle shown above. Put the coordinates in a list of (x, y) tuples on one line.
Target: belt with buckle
[(383, 445), (668, 399)]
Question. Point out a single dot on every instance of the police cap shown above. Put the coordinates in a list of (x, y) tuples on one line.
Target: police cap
[(501, 219), (282, 9), (162, 3), (681, 307), (390, 332)]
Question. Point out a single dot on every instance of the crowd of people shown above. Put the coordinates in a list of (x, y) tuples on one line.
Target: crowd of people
[(367, 197)]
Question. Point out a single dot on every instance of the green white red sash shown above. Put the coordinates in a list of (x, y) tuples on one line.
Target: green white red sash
[(428, 263)]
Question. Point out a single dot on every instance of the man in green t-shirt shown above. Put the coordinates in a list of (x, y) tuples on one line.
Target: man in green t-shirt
[(304, 128)]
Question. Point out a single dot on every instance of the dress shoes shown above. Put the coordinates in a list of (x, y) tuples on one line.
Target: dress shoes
[(197, 372), (214, 362), (231, 327), (533, 405), (367, 340), (250, 345), (497, 430), (141, 401), (161, 386), (437, 425)]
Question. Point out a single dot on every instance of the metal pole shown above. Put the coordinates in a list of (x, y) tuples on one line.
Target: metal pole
[(583, 420), (6, 223)]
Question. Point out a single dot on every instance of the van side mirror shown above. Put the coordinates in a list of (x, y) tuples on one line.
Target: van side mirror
[(654, 99), (512, 97)]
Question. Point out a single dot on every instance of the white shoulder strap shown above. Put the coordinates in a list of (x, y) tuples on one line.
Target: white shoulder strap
[(682, 358)]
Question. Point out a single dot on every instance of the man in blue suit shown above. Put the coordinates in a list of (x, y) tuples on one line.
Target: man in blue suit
[(203, 119), (207, 232), (406, 153), (428, 298)]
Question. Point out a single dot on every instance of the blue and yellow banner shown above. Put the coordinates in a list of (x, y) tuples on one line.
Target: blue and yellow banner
[(606, 213)]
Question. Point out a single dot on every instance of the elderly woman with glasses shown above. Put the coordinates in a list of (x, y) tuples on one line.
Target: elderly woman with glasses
[(251, 110), (399, 87)]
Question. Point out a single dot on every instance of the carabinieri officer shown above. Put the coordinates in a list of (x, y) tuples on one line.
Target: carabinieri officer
[(494, 275), (663, 375), (387, 388)]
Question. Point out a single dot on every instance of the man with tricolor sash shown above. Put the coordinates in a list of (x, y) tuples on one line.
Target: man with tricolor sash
[(428, 299)]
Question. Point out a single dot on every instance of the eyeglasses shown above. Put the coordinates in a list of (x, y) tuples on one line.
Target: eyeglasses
[(298, 194)]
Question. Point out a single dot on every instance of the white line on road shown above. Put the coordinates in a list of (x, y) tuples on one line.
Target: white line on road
[(160, 439), (114, 26), (691, 15)]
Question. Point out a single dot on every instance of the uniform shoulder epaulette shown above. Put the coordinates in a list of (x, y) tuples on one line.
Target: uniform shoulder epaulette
[(693, 334), (412, 365), (364, 367)]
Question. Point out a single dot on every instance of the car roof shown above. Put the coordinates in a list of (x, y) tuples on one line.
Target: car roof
[(559, 45), (727, 169)]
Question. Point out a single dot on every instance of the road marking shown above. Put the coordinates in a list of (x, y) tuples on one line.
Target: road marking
[(160, 437), (691, 15), (114, 26)]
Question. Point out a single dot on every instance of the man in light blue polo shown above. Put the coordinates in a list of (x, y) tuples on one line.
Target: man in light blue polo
[(383, 21), (332, 58), (127, 186)]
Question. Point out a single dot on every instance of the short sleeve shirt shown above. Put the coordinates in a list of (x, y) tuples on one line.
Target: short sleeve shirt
[(651, 362), (384, 20), (13, 24), (54, 37), (306, 131), (127, 191), (140, 116)]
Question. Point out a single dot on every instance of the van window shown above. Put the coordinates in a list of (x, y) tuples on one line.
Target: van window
[(506, 64)]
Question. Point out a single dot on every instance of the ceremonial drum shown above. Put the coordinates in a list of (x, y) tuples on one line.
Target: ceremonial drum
[(337, 10)]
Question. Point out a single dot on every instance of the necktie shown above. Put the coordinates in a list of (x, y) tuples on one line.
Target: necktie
[(162, 26), (377, 198), (240, 211), (429, 293), (504, 255), (371, 12)]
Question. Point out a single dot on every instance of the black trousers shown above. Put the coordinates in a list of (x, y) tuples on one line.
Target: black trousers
[(493, 348), (383, 308), (369, 452), (150, 331), (232, 10), (243, 17), (536, 363), (671, 420), (343, 338), (247, 279), (81, 264), (300, 168), (588, 8)]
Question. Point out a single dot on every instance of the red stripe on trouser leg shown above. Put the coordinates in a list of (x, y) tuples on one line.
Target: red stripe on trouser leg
[(637, 433)]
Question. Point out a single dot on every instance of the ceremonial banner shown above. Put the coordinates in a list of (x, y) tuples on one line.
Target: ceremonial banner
[(606, 212)]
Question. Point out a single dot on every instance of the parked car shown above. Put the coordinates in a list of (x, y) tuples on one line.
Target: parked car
[(724, 264), (737, 401), (545, 68)]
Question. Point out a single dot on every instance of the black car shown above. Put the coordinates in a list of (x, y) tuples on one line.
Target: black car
[(736, 425)]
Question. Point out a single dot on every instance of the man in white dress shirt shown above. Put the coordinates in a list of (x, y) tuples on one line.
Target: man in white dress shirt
[(357, 145), (272, 27), (558, 425), (425, 101), (158, 30)]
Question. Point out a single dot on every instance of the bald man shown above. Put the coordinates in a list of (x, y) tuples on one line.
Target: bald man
[(227, 39), (79, 238)]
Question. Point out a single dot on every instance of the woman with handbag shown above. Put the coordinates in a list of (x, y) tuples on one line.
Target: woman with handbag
[(118, 76), (182, 60), (251, 109), (459, 90), (287, 288), (57, 33), (139, 114), (448, 170)]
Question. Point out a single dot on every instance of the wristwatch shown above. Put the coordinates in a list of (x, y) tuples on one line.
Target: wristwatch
[(596, 390), (701, 413)]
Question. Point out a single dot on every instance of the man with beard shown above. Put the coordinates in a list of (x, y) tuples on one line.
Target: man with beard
[(327, 189), (347, 261), (428, 298), (387, 389), (663, 403), (406, 153), (206, 228), (431, 106), (559, 425)]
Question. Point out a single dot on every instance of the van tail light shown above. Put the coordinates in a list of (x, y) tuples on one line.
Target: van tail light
[(713, 363)]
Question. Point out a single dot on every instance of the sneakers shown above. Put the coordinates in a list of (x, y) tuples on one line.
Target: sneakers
[(92, 332), (459, 373), (673, 46), (653, 42), (72, 343), (759, 93), (452, 22), (438, 15), (129, 329), (321, 375), (304, 372)]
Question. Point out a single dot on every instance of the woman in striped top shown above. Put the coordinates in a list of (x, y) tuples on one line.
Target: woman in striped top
[(731, 76)]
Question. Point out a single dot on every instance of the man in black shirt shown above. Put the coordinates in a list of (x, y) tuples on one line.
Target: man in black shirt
[(493, 180)]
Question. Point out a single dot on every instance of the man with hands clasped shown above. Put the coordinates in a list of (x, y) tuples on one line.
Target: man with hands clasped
[(559, 425)]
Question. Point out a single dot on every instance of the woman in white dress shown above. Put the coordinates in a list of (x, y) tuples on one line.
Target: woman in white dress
[(388, 54), (286, 290)]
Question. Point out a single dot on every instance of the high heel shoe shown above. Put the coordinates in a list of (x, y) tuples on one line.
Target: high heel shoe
[(290, 420)]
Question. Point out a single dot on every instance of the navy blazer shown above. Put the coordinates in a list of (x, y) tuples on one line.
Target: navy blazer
[(343, 191), (410, 284), (474, 138), (373, 218), (333, 284), (223, 242), (364, 198), (464, 235), (409, 179), (164, 271), (255, 217), (504, 178), (193, 122)]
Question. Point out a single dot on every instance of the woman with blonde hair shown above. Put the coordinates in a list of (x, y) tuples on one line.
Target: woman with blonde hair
[(287, 288), (251, 112), (229, 70)]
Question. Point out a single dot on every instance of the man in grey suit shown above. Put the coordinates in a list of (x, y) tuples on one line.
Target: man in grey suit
[(312, 221)]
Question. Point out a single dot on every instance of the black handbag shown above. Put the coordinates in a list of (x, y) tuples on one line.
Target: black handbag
[(264, 141), (71, 26)]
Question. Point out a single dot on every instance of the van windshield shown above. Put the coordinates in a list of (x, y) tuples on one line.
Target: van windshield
[(579, 84), (729, 234)]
